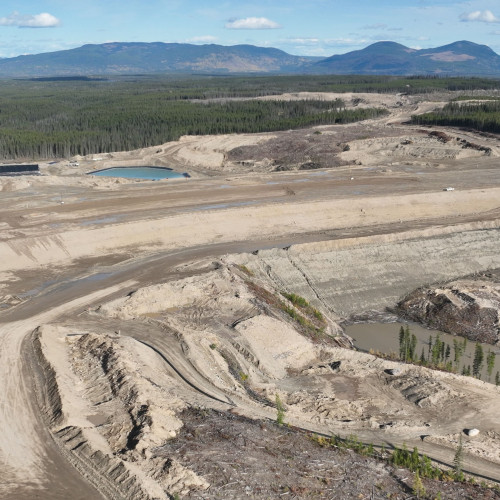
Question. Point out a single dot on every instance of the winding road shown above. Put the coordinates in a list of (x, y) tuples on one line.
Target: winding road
[(31, 465)]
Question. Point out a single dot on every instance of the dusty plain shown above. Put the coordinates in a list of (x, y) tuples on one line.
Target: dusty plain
[(140, 317)]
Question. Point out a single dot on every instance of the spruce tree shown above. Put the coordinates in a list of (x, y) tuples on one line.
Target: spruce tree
[(422, 357), (458, 460), (447, 352), (477, 364), (418, 486), (490, 363)]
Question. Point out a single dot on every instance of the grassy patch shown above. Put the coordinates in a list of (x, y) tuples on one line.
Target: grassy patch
[(244, 269), (304, 314), (476, 98), (400, 457), (311, 322)]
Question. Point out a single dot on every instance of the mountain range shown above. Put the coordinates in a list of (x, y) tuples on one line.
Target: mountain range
[(382, 58)]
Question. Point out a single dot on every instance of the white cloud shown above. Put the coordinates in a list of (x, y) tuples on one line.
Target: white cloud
[(43, 20), (303, 41), (202, 39), (346, 42), (485, 16), (252, 23)]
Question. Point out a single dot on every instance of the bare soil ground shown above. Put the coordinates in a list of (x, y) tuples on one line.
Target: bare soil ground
[(122, 260), (231, 451)]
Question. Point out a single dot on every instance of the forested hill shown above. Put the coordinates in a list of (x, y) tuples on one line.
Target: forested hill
[(130, 58), (381, 58), (390, 58)]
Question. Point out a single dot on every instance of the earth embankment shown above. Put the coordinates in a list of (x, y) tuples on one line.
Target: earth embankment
[(351, 276), (40, 245)]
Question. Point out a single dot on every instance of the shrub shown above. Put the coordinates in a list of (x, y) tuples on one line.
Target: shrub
[(280, 416)]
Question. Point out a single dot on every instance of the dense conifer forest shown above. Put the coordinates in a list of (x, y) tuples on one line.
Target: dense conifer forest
[(483, 115), (63, 117)]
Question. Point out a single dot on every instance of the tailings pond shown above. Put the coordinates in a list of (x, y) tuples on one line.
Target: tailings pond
[(384, 338), (145, 173)]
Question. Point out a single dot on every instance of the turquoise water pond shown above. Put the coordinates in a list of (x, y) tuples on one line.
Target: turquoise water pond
[(149, 173)]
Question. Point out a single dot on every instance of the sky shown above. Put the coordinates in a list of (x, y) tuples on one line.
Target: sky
[(299, 27)]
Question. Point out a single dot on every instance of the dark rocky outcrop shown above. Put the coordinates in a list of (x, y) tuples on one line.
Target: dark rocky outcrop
[(469, 308)]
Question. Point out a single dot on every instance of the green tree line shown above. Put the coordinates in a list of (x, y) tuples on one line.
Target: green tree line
[(60, 125), (61, 118), (483, 116), (439, 355)]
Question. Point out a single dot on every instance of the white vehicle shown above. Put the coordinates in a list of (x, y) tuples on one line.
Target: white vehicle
[(74, 164), (449, 189)]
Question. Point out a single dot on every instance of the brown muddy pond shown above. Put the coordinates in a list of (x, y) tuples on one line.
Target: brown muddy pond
[(384, 337)]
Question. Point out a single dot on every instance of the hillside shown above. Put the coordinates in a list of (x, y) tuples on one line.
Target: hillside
[(390, 58), (382, 58), (129, 58)]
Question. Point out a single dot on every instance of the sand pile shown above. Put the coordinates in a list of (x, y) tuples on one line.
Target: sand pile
[(218, 308), (111, 403), (408, 149)]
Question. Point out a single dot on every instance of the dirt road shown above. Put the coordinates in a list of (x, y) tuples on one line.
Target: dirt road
[(35, 463), (109, 239)]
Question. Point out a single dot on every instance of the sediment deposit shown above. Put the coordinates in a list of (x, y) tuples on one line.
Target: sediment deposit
[(222, 294)]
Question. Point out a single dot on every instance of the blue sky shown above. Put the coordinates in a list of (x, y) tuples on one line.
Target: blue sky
[(302, 27)]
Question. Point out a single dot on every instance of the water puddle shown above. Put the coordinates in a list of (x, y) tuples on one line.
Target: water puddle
[(384, 337), (224, 205), (144, 173), (46, 284), (95, 277), (35, 291)]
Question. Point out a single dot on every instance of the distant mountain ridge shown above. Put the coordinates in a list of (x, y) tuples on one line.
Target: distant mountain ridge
[(461, 58), (130, 58)]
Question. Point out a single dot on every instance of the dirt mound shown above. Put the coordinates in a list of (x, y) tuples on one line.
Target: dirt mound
[(424, 391), (470, 308), (121, 410)]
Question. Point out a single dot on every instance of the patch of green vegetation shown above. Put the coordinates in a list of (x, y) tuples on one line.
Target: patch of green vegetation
[(412, 460), (418, 486), (352, 442), (65, 117), (483, 116), (302, 304), (400, 457), (245, 270), (476, 98), (280, 415), (307, 325), (311, 321)]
